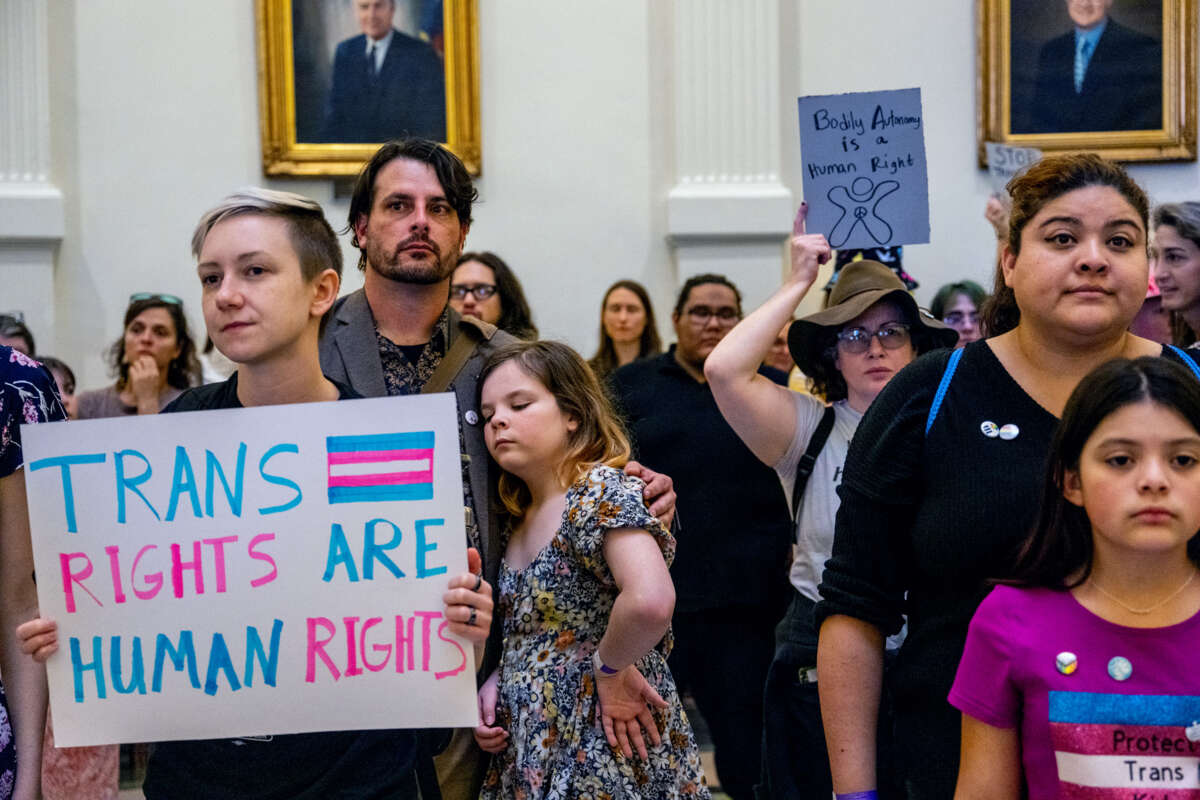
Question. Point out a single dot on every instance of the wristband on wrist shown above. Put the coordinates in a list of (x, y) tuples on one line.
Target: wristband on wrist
[(868, 795), (600, 667)]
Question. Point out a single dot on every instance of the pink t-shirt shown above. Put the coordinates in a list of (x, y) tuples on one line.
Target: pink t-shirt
[(1084, 733)]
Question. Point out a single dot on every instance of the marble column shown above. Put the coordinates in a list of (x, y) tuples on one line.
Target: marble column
[(31, 207), (728, 210)]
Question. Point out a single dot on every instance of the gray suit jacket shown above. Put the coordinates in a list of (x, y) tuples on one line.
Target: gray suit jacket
[(350, 354)]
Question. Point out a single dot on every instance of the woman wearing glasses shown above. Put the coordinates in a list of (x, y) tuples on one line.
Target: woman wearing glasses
[(154, 360), (869, 332), (484, 287)]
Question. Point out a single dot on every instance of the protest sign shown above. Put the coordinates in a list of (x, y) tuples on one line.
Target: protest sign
[(864, 168), (1005, 161), (251, 572)]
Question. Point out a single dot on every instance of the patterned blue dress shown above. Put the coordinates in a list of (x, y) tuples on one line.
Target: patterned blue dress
[(555, 611), (27, 395)]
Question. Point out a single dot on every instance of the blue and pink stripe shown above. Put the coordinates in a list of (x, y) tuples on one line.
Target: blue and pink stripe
[(1110, 746), (377, 467)]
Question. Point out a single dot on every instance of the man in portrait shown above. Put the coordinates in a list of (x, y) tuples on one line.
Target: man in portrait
[(385, 83), (1100, 76)]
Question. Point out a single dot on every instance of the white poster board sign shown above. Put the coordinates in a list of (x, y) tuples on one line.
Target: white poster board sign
[(250, 572)]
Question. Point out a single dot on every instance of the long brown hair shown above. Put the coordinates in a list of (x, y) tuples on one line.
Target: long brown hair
[(598, 437), (184, 370), (1031, 190), (605, 360), (515, 316)]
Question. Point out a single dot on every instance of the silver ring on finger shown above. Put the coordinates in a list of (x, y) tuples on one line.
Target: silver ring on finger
[(471, 619)]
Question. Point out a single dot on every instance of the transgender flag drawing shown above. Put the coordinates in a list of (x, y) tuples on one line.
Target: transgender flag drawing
[(382, 466), (1125, 747)]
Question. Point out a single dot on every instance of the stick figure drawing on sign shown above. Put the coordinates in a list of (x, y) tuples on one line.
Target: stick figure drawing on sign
[(859, 204)]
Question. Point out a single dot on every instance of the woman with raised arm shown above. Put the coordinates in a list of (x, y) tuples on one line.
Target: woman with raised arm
[(870, 331)]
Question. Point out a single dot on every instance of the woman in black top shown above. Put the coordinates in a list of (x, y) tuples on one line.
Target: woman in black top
[(934, 504)]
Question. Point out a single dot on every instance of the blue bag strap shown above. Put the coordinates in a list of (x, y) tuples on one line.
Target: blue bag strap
[(1186, 359), (944, 386)]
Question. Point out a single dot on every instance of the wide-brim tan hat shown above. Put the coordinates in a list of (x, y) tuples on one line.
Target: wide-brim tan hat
[(861, 285)]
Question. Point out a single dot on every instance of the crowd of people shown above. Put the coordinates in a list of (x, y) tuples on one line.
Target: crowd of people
[(885, 551)]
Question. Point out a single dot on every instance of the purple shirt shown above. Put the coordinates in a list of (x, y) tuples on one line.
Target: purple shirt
[(1084, 733)]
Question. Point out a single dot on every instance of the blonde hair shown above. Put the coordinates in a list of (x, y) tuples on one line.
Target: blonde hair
[(312, 238), (598, 439)]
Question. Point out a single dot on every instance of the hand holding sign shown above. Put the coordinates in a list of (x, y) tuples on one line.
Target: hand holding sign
[(469, 601), (808, 250), (38, 638)]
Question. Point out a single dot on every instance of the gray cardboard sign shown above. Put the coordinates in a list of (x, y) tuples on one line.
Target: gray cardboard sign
[(864, 168), (1005, 161)]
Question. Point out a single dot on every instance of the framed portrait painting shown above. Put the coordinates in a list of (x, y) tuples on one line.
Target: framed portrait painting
[(337, 77), (1115, 77)]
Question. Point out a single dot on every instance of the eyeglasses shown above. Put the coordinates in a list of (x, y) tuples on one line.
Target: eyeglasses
[(169, 299), (482, 291), (700, 315), (858, 340), (954, 318)]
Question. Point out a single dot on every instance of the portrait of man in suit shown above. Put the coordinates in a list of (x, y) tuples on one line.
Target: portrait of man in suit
[(1103, 74), (367, 71), (385, 83)]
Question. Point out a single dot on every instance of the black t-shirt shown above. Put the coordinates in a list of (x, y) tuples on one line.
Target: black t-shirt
[(362, 765), (735, 526)]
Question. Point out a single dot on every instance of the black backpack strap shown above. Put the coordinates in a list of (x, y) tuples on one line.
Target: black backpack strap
[(804, 466)]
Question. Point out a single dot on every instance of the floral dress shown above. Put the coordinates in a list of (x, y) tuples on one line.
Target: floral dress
[(27, 396), (555, 611)]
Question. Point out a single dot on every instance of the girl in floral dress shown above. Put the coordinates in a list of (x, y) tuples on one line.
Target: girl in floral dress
[(582, 704)]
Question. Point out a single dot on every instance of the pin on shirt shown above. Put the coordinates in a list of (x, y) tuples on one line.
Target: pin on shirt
[(1066, 662), (1006, 432), (1119, 668), (1193, 731)]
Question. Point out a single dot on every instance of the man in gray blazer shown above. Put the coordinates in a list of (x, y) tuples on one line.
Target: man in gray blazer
[(409, 216)]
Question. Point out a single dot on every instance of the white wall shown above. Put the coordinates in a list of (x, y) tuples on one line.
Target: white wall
[(155, 117)]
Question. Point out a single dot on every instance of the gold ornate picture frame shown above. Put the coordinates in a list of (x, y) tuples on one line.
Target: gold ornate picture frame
[(297, 73), (1022, 48)]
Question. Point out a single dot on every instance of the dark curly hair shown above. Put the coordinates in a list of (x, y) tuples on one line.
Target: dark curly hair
[(183, 371), (515, 316)]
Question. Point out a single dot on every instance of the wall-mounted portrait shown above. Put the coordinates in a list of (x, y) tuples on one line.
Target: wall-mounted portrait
[(338, 77), (1111, 76)]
